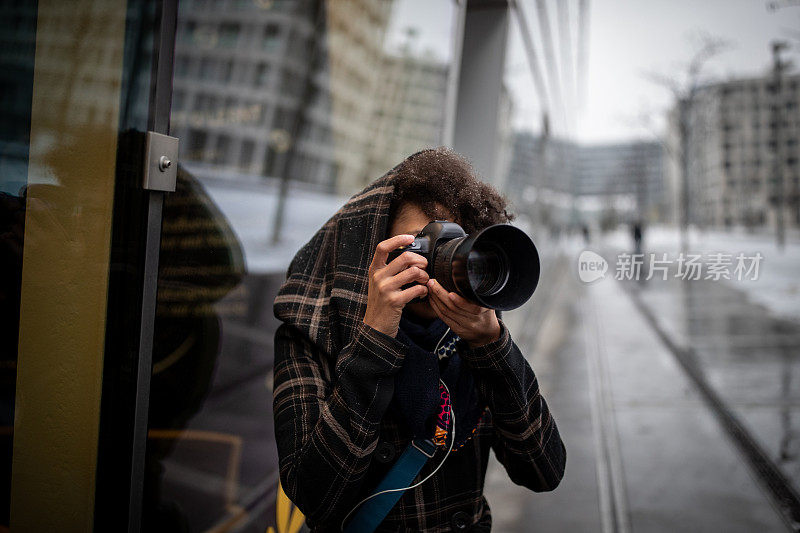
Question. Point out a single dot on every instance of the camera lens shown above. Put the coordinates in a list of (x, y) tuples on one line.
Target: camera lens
[(497, 267), (487, 269)]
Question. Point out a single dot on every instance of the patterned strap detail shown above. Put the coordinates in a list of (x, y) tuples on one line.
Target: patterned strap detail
[(443, 419), (448, 347)]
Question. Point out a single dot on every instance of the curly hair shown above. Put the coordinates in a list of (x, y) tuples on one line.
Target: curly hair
[(440, 177)]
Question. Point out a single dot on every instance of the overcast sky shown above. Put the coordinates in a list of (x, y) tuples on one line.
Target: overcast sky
[(630, 37), (627, 38)]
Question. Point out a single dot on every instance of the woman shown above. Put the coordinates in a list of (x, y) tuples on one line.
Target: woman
[(364, 344)]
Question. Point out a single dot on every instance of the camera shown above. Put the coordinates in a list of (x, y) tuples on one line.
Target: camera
[(496, 267)]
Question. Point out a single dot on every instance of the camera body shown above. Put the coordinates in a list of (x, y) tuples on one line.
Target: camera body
[(431, 237), (496, 267)]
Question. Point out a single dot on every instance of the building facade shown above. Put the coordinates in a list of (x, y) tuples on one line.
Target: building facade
[(742, 153), (627, 176), (564, 182), (267, 89), (409, 113)]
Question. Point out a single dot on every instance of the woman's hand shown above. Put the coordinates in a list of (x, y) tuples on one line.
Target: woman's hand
[(385, 296), (475, 324)]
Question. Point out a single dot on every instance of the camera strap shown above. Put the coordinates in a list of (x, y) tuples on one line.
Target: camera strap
[(407, 467)]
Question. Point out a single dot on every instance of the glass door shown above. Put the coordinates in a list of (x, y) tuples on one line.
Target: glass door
[(80, 83)]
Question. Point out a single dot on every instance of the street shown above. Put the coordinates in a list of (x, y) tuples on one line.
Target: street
[(631, 371), (676, 400)]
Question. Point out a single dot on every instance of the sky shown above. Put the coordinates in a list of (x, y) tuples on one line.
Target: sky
[(434, 21), (626, 40), (629, 38)]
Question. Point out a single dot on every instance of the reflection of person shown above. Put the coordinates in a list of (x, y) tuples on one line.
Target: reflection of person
[(359, 357), (12, 229), (201, 261)]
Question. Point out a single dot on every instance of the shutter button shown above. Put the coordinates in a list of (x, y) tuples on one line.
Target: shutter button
[(384, 453), (460, 521)]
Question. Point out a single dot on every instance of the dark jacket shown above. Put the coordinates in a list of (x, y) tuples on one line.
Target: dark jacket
[(334, 381)]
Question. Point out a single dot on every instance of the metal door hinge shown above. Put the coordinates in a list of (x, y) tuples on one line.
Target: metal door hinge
[(160, 162)]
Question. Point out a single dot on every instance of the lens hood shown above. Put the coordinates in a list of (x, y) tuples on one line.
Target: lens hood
[(497, 267)]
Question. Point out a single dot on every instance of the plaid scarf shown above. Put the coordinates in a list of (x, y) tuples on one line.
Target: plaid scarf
[(325, 294)]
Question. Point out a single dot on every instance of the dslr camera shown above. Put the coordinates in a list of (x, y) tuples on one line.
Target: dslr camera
[(496, 267)]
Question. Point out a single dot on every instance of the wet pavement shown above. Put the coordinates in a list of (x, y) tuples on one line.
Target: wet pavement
[(627, 369), (631, 372)]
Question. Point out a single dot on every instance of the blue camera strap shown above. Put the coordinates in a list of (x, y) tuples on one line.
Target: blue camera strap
[(401, 475)]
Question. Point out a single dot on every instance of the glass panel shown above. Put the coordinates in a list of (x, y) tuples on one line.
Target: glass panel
[(64, 95), (315, 99), (18, 36)]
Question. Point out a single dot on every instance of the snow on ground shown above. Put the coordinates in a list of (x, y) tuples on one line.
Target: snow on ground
[(251, 212), (778, 284)]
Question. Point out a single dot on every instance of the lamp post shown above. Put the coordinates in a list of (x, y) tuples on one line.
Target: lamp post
[(776, 141)]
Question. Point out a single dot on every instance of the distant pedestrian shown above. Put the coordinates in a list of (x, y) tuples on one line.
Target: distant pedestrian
[(637, 237)]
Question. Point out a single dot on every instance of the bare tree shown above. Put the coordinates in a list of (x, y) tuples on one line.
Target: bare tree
[(684, 89)]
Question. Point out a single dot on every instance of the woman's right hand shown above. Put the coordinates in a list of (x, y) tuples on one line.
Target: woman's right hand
[(385, 296)]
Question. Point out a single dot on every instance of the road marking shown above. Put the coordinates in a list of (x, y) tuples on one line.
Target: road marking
[(610, 475)]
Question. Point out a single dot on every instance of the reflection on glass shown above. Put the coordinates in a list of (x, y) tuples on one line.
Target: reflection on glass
[(283, 108), (16, 77), (58, 147)]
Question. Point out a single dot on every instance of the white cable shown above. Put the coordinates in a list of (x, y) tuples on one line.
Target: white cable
[(437, 349), (452, 440)]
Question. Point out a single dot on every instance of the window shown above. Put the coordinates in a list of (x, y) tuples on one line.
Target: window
[(292, 83), (227, 71), (197, 144), (246, 155), (262, 75), (283, 119), (182, 66), (270, 160), (178, 100), (206, 68), (228, 35), (270, 40), (221, 151)]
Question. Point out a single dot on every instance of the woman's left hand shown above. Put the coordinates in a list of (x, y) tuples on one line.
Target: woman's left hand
[(475, 324)]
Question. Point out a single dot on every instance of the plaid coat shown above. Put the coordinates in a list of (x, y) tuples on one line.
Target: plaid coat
[(334, 380)]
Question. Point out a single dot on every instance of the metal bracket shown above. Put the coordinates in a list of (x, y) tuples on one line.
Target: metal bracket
[(160, 162)]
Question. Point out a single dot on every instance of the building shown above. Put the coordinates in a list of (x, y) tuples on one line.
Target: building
[(743, 153), (626, 176), (409, 113), (562, 182), (278, 88), (541, 176)]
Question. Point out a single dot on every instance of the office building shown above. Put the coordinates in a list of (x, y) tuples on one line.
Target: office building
[(409, 112), (743, 153), (278, 88)]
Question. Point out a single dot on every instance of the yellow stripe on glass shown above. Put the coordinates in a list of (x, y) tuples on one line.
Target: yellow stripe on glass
[(74, 119)]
